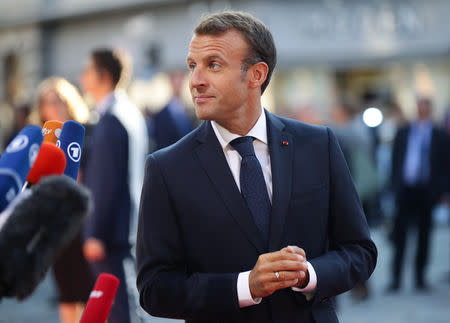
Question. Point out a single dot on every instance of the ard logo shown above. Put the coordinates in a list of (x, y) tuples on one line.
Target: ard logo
[(74, 152), (19, 143)]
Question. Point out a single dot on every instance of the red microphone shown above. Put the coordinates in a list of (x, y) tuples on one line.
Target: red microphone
[(101, 299), (50, 161)]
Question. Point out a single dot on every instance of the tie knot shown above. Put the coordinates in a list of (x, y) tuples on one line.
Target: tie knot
[(244, 146)]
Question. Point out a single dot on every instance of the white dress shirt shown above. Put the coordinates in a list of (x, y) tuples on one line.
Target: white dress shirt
[(259, 131), (105, 103)]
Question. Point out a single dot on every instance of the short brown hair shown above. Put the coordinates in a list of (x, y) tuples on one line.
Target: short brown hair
[(255, 33), (110, 62)]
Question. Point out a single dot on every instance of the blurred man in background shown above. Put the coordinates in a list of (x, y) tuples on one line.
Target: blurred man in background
[(174, 121), (420, 177), (114, 173)]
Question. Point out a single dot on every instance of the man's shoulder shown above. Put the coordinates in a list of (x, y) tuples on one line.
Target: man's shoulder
[(439, 135), (109, 122), (109, 129)]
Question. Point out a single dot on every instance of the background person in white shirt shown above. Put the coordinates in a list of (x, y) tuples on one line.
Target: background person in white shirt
[(114, 174)]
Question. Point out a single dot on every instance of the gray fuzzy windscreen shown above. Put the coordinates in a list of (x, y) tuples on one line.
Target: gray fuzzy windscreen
[(37, 230)]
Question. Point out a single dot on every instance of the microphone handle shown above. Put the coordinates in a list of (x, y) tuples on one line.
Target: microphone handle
[(27, 185)]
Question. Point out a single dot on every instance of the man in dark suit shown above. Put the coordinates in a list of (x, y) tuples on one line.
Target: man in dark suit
[(420, 177), (251, 217), (173, 121), (114, 175)]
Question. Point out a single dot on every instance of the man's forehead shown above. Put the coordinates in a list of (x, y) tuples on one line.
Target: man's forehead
[(222, 43)]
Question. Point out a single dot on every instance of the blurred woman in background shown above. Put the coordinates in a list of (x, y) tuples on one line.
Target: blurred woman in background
[(57, 99)]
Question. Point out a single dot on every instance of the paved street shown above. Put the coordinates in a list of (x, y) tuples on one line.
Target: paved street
[(406, 306)]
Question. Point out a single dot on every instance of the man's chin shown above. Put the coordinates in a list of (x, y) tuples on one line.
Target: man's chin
[(203, 114)]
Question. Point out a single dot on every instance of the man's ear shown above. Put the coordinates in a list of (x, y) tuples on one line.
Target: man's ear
[(258, 74)]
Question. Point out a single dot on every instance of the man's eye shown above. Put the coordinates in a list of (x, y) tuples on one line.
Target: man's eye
[(191, 67), (214, 66)]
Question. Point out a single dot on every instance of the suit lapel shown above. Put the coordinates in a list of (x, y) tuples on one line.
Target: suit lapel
[(212, 159), (281, 159)]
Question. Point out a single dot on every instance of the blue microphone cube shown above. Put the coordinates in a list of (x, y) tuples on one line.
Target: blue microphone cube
[(71, 142), (15, 163)]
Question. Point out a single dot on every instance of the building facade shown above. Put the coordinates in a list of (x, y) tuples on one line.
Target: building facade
[(387, 48)]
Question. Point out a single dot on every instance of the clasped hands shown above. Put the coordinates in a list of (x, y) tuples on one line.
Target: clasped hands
[(278, 270)]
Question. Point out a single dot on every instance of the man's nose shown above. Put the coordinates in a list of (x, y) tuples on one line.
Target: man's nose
[(197, 78)]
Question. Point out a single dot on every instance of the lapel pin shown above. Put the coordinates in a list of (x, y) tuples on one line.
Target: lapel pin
[(285, 143)]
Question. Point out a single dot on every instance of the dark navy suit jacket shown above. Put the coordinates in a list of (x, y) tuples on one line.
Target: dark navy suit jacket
[(196, 234), (439, 161), (107, 177)]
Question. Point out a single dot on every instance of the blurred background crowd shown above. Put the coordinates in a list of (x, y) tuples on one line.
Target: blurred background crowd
[(376, 72)]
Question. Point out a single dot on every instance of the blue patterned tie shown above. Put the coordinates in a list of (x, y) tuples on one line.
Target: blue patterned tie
[(253, 186)]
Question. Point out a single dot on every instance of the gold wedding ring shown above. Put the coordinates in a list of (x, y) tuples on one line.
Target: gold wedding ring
[(277, 274)]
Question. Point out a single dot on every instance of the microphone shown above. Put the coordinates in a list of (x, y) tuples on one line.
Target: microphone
[(51, 131), (101, 299), (4, 216), (50, 161), (36, 229), (71, 141), (16, 162)]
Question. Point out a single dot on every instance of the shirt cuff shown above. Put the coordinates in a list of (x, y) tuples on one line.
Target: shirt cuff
[(243, 291), (312, 281)]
